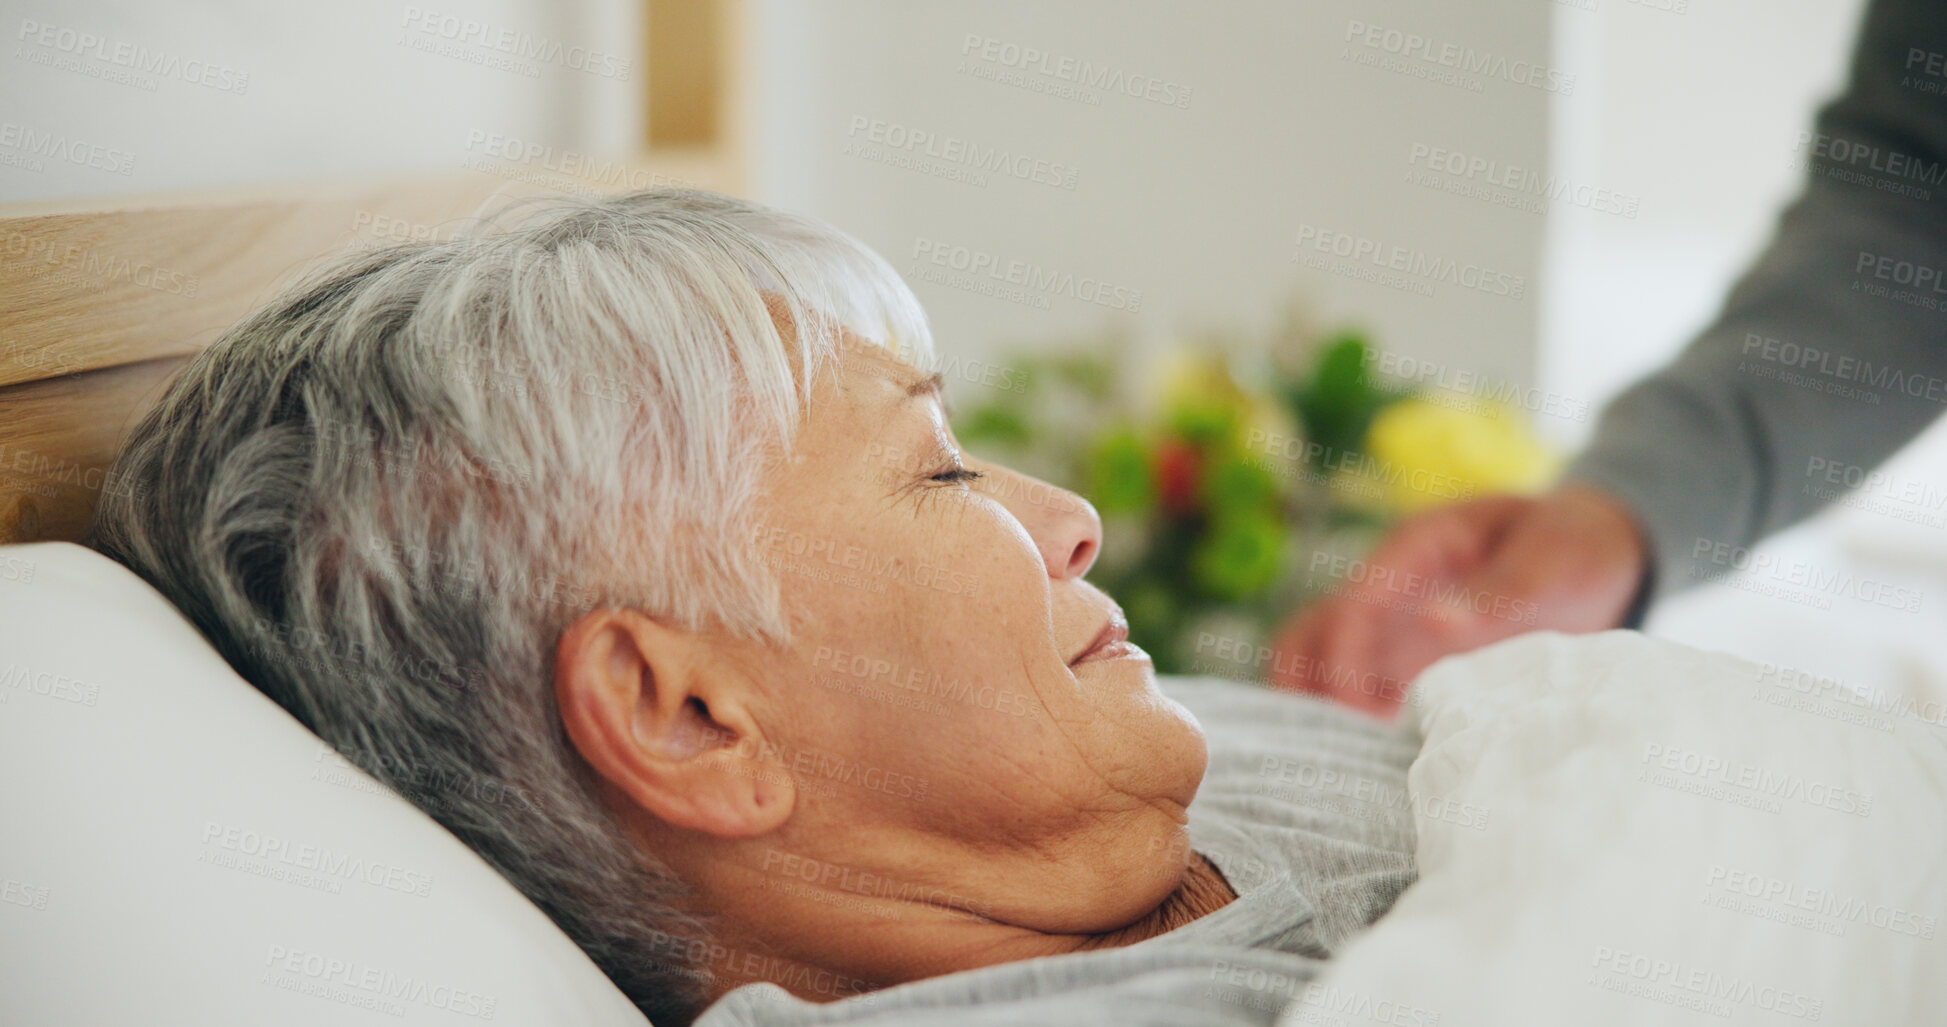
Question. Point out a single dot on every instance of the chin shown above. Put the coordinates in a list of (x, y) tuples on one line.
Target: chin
[(1167, 861), (1183, 754)]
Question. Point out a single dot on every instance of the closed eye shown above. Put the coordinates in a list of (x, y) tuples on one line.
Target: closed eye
[(955, 474)]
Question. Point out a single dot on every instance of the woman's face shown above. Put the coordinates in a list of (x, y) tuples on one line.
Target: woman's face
[(945, 709)]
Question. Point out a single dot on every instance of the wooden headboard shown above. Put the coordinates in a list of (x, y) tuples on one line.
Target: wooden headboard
[(100, 305)]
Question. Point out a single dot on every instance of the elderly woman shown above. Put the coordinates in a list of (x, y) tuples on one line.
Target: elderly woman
[(629, 540)]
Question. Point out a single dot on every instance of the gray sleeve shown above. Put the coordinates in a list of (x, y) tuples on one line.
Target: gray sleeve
[(1830, 352)]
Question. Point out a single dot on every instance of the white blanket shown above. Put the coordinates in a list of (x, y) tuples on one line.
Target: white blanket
[(1620, 830)]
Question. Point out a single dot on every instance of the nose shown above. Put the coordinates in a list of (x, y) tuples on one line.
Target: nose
[(1064, 526)]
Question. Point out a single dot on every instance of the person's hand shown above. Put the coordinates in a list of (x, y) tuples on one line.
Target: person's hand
[(1456, 578)]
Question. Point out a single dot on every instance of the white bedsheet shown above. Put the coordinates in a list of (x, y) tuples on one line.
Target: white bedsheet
[(1669, 836)]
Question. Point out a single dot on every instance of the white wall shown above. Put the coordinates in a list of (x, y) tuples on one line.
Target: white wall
[(1188, 214), (1197, 208), (213, 95)]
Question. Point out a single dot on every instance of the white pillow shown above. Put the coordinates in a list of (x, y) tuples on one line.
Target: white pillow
[(178, 849)]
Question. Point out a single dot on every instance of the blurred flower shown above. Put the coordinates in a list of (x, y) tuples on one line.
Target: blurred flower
[(1240, 555), (1339, 398), (1206, 477), (1178, 465), (1425, 453), (1199, 397), (1119, 477), (1236, 483), (1204, 404)]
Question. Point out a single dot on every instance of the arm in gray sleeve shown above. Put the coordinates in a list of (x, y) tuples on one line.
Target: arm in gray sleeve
[(1831, 351)]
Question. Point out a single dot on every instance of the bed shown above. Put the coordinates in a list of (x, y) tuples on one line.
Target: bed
[(1612, 829)]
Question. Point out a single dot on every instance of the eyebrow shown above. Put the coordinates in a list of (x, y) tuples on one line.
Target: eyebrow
[(931, 383), (934, 383)]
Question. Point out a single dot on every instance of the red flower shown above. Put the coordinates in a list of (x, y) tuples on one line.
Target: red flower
[(1178, 466)]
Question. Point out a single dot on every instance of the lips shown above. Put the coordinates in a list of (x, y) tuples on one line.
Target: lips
[(1111, 641)]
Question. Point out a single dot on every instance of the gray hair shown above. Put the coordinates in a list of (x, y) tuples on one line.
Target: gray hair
[(385, 495)]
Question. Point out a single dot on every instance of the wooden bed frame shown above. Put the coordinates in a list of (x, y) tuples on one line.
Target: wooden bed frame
[(101, 301)]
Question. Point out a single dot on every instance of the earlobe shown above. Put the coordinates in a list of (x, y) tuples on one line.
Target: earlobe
[(667, 726)]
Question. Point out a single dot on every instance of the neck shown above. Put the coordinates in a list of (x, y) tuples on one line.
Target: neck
[(855, 954), (1204, 891)]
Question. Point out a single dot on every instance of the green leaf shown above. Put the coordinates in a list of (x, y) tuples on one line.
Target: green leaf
[(1237, 485), (1239, 556), (1340, 400), (1205, 423), (1119, 478)]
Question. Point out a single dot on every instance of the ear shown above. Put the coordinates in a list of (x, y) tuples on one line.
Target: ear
[(659, 720)]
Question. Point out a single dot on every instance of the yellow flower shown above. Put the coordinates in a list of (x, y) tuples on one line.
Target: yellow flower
[(1424, 453), (1190, 376), (1202, 400)]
